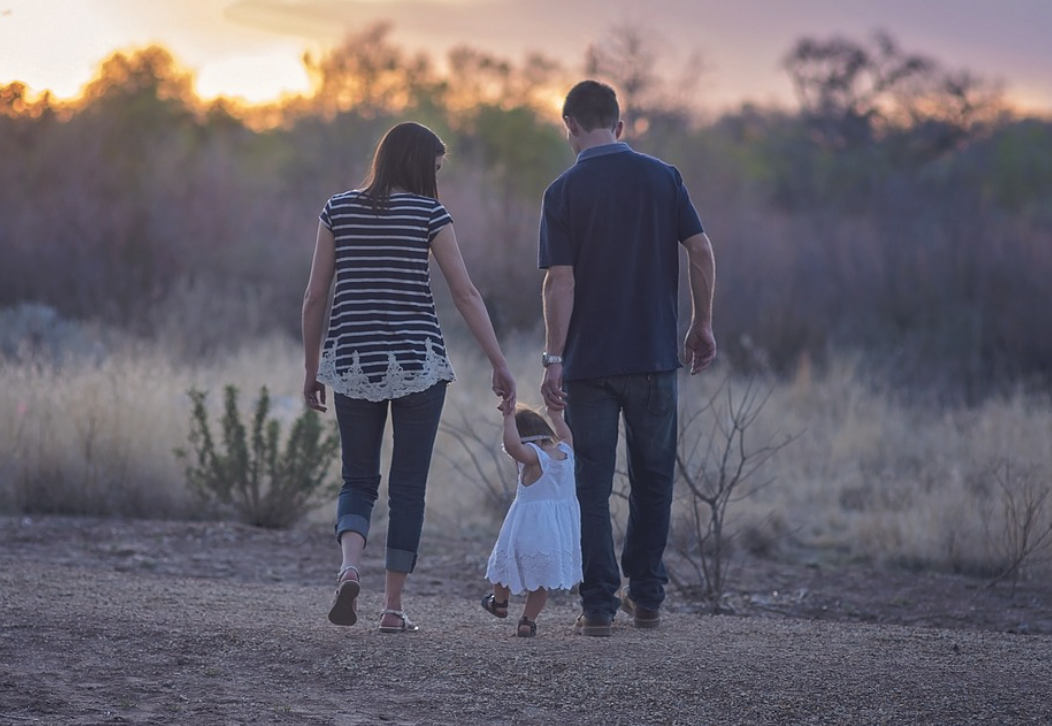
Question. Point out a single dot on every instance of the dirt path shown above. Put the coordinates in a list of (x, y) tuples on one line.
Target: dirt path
[(210, 624)]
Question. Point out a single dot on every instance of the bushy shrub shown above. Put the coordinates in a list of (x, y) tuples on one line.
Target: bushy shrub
[(249, 473)]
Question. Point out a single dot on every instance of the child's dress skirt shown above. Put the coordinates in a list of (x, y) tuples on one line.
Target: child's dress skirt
[(539, 545)]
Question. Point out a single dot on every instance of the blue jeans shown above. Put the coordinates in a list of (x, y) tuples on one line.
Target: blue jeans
[(414, 419), (647, 402)]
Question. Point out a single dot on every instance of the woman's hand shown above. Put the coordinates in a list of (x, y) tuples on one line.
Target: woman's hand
[(314, 394), (504, 386)]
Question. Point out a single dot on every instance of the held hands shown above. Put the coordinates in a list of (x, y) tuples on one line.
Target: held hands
[(699, 349), (504, 386), (552, 388)]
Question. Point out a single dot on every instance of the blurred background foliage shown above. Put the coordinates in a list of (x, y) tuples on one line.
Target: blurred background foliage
[(902, 211)]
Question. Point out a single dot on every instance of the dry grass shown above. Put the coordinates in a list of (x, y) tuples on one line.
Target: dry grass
[(97, 437), (882, 480), (869, 477)]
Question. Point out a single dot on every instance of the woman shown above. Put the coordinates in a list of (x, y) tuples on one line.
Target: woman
[(385, 352)]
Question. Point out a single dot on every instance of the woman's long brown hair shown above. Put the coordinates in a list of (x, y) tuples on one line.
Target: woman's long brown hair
[(404, 159)]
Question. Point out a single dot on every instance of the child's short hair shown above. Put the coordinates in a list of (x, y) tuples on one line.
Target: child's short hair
[(531, 424)]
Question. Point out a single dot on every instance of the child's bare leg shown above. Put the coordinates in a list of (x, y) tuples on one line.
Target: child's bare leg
[(535, 601), (497, 603)]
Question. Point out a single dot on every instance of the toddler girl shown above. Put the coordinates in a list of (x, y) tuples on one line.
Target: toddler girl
[(539, 546)]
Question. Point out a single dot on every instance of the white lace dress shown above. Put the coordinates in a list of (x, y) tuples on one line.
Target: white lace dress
[(540, 541)]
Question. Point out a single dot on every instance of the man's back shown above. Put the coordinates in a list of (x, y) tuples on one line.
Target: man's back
[(617, 217)]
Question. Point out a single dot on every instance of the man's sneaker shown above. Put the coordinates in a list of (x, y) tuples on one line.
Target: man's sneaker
[(641, 617), (593, 625)]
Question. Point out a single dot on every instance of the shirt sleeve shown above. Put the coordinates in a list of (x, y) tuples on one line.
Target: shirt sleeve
[(326, 215), (554, 247), (439, 219), (689, 223)]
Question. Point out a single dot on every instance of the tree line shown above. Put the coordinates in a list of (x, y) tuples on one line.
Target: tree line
[(901, 211)]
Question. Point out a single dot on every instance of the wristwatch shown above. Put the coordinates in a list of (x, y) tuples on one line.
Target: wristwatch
[(548, 360)]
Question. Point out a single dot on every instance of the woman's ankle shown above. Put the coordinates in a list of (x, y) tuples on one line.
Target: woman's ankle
[(388, 616)]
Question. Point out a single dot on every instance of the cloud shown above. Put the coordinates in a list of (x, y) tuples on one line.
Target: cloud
[(505, 26), (321, 20), (742, 43)]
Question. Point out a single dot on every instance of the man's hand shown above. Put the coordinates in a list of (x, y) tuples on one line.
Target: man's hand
[(699, 349), (552, 387)]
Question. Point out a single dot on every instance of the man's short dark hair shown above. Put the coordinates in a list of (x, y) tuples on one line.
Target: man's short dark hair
[(593, 105)]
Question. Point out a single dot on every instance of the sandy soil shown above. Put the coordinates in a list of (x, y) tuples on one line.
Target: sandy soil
[(114, 622)]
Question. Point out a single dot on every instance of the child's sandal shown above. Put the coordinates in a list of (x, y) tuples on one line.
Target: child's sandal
[(495, 607), (527, 628)]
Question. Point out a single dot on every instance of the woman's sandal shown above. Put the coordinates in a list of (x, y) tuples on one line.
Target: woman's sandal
[(344, 610), (527, 628), (493, 606), (407, 626)]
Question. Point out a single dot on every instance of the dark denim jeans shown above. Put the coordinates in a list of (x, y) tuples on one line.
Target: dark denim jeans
[(647, 402), (414, 419)]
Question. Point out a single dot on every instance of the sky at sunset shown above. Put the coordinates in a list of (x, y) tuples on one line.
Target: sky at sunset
[(253, 48)]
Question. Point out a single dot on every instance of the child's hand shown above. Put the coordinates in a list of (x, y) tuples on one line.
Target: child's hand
[(507, 407), (553, 413)]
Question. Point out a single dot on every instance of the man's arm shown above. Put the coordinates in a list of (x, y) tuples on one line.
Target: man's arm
[(558, 306), (699, 349)]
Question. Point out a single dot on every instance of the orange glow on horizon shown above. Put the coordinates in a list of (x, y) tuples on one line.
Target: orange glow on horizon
[(252, 50)]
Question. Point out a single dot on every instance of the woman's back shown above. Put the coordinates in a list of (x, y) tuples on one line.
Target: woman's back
[(384, 339)]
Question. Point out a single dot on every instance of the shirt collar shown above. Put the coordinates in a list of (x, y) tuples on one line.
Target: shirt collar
[(615, 148)]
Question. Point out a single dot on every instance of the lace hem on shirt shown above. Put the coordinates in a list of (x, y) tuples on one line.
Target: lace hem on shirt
[(396, 382)]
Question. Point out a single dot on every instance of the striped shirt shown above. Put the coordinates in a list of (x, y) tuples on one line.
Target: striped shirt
[(384, 340)]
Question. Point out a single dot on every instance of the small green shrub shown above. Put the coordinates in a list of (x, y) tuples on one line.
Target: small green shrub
[(249, 473)]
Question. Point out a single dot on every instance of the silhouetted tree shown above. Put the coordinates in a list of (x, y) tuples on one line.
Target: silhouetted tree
[(652, 102), (852, 94), (369, 75)]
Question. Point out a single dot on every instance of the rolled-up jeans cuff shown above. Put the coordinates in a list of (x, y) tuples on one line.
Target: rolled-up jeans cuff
[(399, 560), (352, 523)]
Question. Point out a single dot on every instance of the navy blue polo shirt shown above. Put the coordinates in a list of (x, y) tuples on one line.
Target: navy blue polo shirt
[(618, 217)]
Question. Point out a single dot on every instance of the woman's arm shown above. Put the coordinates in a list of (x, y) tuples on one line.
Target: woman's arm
[(472, 308), (315, 298)]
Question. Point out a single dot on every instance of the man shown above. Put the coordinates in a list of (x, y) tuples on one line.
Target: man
[(611, 228)]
